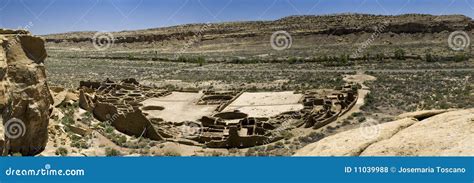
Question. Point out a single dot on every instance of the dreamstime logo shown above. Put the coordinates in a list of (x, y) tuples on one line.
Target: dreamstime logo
[(15, 128), (369, 129), (191, 129), (103, 40), (281, 40), (459, 40)]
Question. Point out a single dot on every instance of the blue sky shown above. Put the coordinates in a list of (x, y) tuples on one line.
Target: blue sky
[(56, 16)]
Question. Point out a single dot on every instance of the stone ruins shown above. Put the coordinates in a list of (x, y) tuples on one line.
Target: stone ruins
[(121, 105)]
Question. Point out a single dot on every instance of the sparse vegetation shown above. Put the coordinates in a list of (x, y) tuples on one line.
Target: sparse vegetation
[(400, 92)]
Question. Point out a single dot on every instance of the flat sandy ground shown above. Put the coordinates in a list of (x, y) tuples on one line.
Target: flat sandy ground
[(179, 106), (266, 104)]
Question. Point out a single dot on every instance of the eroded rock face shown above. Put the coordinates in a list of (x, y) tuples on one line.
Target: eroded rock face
[(24, 94)]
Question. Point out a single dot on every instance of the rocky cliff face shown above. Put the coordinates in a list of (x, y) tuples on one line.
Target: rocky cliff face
[(297, 25), (312, 36), (25, 98)]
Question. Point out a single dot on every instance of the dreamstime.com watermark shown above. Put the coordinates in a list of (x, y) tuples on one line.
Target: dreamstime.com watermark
[(14, 128), (17, 36), (44, 171), (367, 43), (281, 40), (191, 129), (103, 40), (459, 40), (370, 129)]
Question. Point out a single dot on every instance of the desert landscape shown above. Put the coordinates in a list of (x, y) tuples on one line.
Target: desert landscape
[(328, 85)]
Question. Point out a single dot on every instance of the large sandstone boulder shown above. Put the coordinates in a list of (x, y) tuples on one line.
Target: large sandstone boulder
[(445, 134), (353, 142), (449, 133), (25, 98)]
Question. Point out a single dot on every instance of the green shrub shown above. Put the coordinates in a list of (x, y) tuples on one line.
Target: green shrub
[(429, 57), (67, 119), (400, 54), (461, 57), (200, 61), (172, 153), (109, 129), (80, 144), (61, 151), (380, 57), (112, 152)]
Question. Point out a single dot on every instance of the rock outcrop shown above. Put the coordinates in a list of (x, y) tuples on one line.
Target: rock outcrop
[(25, 98), (445, 134)]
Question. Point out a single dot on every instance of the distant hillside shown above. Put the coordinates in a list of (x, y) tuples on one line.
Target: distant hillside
[(313, 36)]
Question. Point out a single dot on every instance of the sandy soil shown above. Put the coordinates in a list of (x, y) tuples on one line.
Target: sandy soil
[(266, 104), (178, 107)]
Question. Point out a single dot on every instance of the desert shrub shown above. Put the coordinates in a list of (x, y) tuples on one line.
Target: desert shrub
[(366, 57), (430, 57), (172, 153), (461, 57), (78, 142), (67, 120), (234, 151), (343, 58), (200, 61), (356, 114), (216, 153), (294, 60), (380, 56), (312, 137), (279, 145), (399, 54), (250, 152), (369, 102), (61, 151), (109, 129), (87, 118), (112, 152)]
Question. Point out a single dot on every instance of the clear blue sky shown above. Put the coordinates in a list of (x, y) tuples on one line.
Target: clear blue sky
[(56, 16)]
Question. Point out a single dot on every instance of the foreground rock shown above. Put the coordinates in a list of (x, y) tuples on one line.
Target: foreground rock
[(25, 98), (445, 134)]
